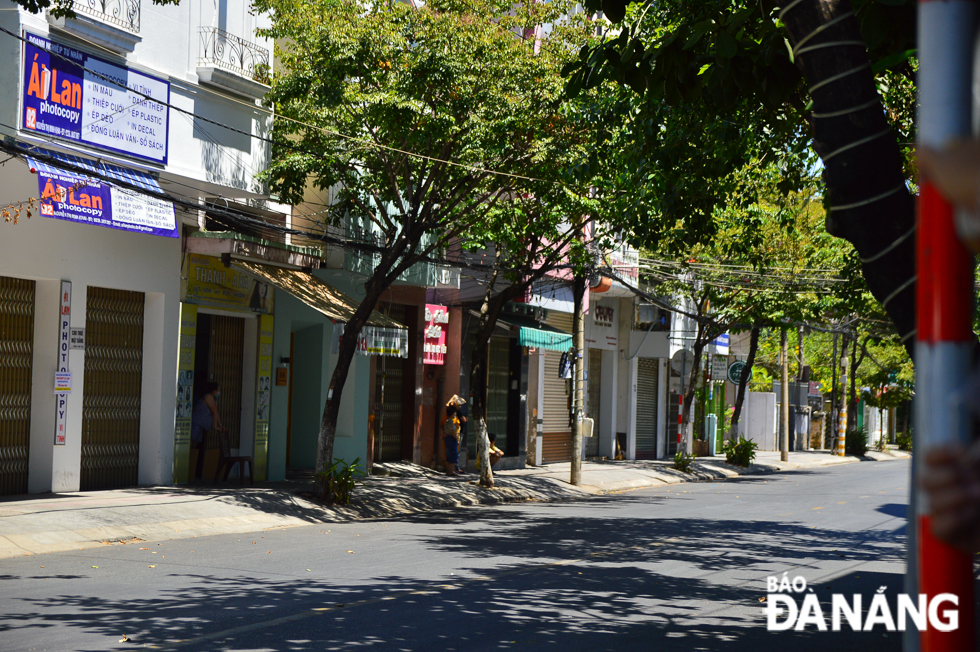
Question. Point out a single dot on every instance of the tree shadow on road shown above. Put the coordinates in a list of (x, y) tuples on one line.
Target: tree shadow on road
[(596, 577)]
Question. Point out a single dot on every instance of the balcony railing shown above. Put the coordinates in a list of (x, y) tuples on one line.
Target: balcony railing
[(124, 14), (233, 54)]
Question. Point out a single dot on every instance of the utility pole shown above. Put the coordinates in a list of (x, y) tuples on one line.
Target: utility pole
[(784, 390), (944, 307), (799, 352), (578, 395), (842, 417), (833, 387)]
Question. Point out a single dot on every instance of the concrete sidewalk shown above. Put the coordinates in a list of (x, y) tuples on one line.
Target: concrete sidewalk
[(62, 522)]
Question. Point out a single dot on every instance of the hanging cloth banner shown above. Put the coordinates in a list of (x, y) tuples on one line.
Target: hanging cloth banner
[(376, 340)]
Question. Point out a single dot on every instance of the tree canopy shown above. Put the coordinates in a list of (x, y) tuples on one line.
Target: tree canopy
[(433, 127), (713, 87)]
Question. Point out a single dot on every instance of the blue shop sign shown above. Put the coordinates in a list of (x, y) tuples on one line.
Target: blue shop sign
[(67, 95)]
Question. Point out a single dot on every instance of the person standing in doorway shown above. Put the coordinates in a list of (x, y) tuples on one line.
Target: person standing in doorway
[(450, 432), (204, 417)]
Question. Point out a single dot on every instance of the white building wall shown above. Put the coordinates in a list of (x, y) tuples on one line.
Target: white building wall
[(49, 251), (204, 160)]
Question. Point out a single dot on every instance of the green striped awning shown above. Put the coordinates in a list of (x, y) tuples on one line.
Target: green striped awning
[(544, 339)]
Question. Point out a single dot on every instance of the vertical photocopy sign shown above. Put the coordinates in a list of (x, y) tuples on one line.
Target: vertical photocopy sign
[(185, 392), (263, 402), (64, 345)]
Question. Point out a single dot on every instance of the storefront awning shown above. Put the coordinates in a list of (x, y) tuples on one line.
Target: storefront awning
[(313, 292), (534, 334), (99, 169), (86, 191), (381, 336), (539, 338)]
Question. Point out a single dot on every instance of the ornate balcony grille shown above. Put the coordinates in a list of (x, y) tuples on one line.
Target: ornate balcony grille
[(236, 55), (124, 14)]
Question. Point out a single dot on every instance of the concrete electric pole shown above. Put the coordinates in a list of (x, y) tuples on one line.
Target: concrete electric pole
[(578, 374), (784, 391)]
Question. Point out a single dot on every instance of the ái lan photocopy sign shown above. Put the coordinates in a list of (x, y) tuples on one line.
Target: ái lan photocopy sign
[(67, 93)]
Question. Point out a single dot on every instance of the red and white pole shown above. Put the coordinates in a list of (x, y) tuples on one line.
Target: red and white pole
[(944, 300), (680, 418)]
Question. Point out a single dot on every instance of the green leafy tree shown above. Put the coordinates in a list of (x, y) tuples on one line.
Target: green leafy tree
[(738, 81), (766, 266), (425, 121)]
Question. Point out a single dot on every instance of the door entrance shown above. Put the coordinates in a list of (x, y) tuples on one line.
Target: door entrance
[(591, 444), (218, 358), (113, 389), (16, 362), (647, 385)]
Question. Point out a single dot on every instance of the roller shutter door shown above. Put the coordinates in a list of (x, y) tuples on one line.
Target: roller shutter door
[(557, 436), (561, 320), (389, 396), (113, 389), (647, 384), (225, 368), (497, 389), (592, 407), (16, 361)]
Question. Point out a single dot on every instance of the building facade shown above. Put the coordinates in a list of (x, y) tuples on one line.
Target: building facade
[(120, 138)]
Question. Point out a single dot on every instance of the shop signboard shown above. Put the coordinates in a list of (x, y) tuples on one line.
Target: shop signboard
[(64, 338), (603, 315), (72, 95), (75, 197), (185, 392), (263, 398), (436, 321), (209, 283), (735, 371), (719, 367)]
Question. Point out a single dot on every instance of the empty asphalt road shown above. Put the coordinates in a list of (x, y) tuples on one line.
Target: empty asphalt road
[(678, 568)]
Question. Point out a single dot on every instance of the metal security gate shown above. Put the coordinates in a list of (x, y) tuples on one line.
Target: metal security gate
[(113, 384), (557, 436), (225, 353), (673, 428), (16, 358), (497, 388), (592, 406), (647, 385), (388, 392), (389, 397)]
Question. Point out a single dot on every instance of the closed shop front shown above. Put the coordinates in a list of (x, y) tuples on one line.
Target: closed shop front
[(113, 387), (647, 385), (497, 390), (392, 442), (389, 390), (592, 407), (557, 436), (16, 363), (221, 340)]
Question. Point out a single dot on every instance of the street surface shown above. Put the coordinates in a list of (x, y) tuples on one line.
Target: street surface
[(678, 568)]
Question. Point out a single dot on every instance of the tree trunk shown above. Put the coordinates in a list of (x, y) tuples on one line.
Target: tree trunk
[(687, 422), (799, 353), (743, 382), (869, 204), (852, 402), (345, 355), (479, 371)]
